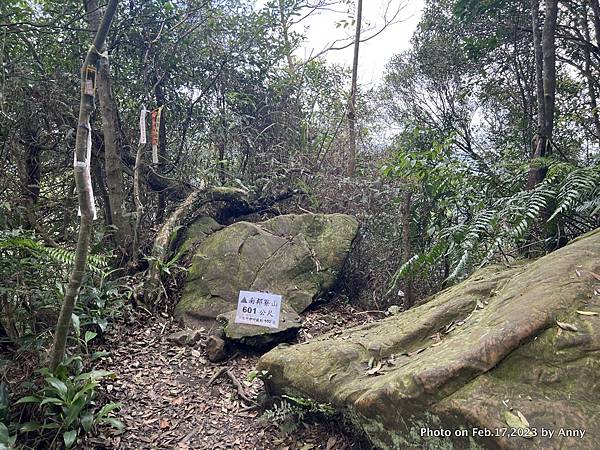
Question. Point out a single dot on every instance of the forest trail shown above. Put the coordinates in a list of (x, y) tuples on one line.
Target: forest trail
[(168, 403)]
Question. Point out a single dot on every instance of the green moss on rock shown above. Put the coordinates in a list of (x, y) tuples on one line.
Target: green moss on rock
[(297, 256)]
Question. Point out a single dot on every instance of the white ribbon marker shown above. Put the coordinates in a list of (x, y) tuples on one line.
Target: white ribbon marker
[(87, 177), (143, 112)]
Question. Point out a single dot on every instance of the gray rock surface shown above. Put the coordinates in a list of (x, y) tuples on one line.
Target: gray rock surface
[(297, 256)]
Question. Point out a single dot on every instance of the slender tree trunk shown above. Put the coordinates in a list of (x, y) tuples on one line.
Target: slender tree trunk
[(222, 139), (588, 72), (538, 141), (139, 207), (539, 62), (406, 247), (112, 150), (159, 95), (351, 169), (542, 143), (98, 181), (286, 36), (549, 51), (81, 173), (596, 19)]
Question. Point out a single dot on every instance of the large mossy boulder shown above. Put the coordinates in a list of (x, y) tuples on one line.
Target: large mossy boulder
[(297, 256), (505, 345)]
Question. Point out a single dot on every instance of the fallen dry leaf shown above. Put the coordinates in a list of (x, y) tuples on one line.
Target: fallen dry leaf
[(566, 326), (375, 370), (595, 275), (416, 352), (523, 419)]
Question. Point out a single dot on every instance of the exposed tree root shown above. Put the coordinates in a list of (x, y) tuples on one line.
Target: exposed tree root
[(236, 383)]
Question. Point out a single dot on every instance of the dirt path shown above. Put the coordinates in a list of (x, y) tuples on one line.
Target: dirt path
[(168, 403)]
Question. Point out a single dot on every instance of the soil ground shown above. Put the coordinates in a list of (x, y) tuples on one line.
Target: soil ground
[(169, 402)]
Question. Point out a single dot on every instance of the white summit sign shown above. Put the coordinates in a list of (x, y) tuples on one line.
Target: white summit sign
[(258, 308)]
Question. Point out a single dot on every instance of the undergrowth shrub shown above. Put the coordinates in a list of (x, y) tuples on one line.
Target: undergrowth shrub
[(64, 407)]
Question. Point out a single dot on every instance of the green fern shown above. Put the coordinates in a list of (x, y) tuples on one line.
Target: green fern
[(469, 245), (418, 263), (578, 186), (590, 207), (15, 240)]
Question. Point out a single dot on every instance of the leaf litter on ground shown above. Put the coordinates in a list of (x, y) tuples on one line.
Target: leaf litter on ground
[(167, 405)]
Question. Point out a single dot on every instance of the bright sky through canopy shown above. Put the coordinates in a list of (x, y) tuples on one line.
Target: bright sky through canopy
[(321, 31)]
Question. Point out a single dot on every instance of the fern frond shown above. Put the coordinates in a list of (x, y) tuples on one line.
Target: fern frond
[(419, 262), (578, 185), (15, 241)]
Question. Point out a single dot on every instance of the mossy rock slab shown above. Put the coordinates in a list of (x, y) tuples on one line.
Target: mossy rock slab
[(194, 234), (296, 256), (459, 363)]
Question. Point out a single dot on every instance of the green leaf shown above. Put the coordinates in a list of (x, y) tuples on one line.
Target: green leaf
[(30, 426), (59, 386), (69, 438), (34, 426), (28, 399), (87, 421), (89, 387), (115, 423), (74, 410), (102, 323), (95, 375), (4, 437), (101, 354), (52, 400), (89, 335), (252, 376), (109, 407), (3, 398)]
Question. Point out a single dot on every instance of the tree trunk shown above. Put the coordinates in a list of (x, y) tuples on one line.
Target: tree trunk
[(538, 141), (406, 247), (222, 138), (588, 72), (549, 52), (139, 207), (596, 19), (162, 148), (351, 169), (539, 63), (82, 179), (286, 36), (98, 181), (112, 150), (542, 142)]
